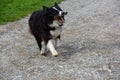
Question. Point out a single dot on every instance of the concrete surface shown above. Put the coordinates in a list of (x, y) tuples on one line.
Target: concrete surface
[(89, 50)]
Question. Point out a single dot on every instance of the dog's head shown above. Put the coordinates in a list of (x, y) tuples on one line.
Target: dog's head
[(56, 13)]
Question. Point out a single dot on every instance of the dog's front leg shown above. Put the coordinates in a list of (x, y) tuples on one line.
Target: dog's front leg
[(51, 47), (57, 42)]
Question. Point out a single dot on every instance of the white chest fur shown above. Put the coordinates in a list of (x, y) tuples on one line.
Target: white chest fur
[(58, 29), (55, 33)]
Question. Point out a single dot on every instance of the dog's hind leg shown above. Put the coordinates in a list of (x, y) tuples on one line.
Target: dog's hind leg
[(40, 45), (51, 47), (43, 48)]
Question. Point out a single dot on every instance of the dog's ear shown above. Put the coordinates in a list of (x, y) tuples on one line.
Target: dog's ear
[(55, 4), (45, 8)]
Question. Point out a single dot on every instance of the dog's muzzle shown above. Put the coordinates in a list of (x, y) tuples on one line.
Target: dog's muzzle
[(60, 25), (59, 20)]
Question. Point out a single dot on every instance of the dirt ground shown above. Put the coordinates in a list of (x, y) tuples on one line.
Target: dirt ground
[(89, 50)]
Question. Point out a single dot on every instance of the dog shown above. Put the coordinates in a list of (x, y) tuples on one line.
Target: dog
[(46, 26)]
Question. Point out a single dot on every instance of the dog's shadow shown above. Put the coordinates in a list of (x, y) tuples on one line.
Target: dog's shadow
[(65, 52)]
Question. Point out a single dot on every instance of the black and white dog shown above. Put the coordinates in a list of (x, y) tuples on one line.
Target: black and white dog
[(46, 26)]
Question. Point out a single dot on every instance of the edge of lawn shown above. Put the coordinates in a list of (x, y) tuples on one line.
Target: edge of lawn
[(12, 10)]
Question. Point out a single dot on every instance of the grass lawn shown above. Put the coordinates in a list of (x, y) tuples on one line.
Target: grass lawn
[(11, 10)]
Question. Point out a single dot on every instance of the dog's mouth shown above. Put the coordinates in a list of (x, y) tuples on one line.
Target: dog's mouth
[(60, 24)]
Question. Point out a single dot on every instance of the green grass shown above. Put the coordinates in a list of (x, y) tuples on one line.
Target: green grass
[(11, 10)]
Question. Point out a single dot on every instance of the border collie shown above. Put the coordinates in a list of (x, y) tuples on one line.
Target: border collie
[(46, 26)]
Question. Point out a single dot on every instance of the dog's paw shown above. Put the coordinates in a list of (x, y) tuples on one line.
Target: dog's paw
[(42, 52), (54, 53)]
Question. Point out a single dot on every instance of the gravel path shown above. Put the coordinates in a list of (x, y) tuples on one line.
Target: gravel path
[(89, 50)]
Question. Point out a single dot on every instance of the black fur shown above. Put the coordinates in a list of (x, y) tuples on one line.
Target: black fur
[(39, 24)]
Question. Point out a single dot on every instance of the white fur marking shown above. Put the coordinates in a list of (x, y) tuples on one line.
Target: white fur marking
[(54, 24), (60, 12), (56, 9), (57, 31), (43, 48), (51, 47)]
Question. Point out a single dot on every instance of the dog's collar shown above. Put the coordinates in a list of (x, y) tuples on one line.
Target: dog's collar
[(60, 12)]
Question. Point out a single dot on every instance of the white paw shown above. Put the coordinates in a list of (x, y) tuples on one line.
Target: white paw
[(54, 53), (51, 47), (42, 52)]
